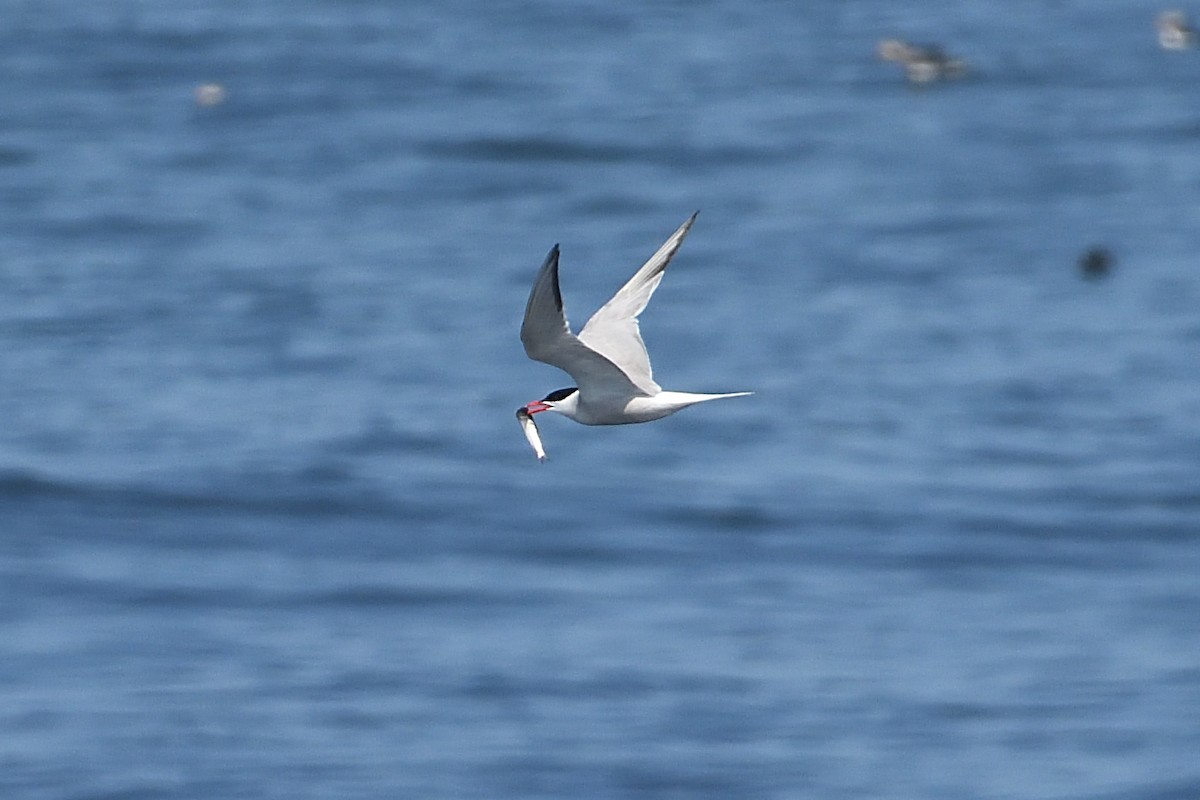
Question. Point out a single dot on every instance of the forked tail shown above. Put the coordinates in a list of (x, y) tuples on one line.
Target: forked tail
[(688, 398), (722, 396)]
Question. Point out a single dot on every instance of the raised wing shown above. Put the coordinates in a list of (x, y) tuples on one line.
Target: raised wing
[(613, 330), (547, 338)]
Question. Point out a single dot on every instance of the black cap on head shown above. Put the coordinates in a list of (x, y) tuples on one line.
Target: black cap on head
[(559, 394)]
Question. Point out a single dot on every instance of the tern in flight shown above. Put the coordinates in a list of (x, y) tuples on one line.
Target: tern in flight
[(607, 360)]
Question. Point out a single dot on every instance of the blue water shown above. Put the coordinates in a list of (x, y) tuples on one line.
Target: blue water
[(270, 530)]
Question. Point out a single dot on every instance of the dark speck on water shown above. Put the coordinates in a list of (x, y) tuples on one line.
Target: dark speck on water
[(267, 529), (1096, 262)]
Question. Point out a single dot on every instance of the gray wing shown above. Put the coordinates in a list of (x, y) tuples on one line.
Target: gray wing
[(547, 338), (613, 330)]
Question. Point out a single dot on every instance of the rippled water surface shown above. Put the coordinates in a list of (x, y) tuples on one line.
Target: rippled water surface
[(268, 527)]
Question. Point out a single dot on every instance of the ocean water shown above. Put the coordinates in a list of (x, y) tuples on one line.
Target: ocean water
[(268, 528)]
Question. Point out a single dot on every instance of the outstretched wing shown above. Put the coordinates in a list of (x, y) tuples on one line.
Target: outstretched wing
[(613, 330), (547, 338)]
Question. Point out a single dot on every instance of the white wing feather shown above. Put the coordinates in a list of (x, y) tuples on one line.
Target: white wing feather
[(547, 337), (613, 331)]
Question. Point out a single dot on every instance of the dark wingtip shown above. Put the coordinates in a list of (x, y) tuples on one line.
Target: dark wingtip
[(557, 291)]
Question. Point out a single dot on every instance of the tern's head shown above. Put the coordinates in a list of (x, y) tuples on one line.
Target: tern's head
[(563, 401)]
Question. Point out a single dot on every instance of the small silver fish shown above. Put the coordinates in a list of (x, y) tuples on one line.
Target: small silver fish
[(529, 428)]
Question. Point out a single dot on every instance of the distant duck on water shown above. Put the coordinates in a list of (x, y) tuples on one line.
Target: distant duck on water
[(921, 63), (1174, 32)]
